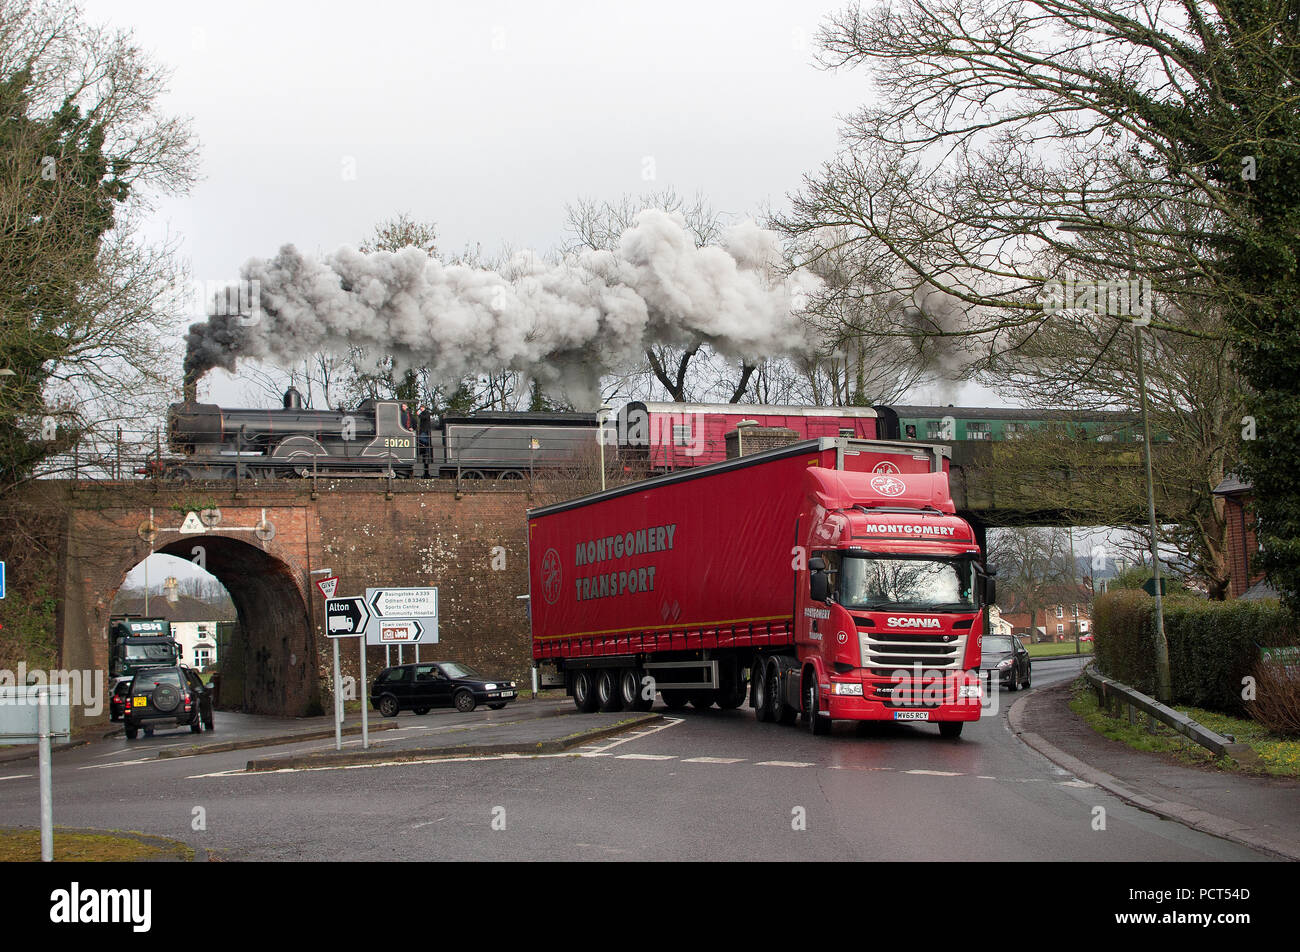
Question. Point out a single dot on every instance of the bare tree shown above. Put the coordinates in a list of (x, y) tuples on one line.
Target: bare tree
[(677, 371)]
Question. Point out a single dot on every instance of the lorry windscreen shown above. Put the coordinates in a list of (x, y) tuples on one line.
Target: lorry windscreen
[(162, 653), (908, 584)]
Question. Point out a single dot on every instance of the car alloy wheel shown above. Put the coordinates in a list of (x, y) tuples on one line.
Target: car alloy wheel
[(465, 702)]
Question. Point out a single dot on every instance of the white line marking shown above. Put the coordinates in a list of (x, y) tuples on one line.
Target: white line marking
[(1076, 783), (645, 756), (20, 776), (713, 760), (669, 722), (783, 763), (934, 773)]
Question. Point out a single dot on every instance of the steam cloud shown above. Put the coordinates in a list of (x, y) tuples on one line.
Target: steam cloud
[(563, 324)]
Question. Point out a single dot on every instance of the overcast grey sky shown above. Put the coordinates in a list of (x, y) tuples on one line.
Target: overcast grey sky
[(316, 121)]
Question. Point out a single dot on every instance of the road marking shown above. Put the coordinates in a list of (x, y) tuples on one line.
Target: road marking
[(1076, 783), (645, 756), (935, 773), (20, 776), (783, 763), (668, 722), (122, 763), (713, 760)]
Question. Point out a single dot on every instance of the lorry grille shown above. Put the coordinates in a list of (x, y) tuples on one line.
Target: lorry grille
[(886, 652)]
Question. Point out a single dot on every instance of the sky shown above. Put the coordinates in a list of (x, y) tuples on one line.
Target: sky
[(317, 122)]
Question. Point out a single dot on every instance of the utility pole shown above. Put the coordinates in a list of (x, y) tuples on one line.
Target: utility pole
[(1164, 690)]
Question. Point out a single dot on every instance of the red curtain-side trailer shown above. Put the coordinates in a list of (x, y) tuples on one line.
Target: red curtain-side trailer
[(829, 578)]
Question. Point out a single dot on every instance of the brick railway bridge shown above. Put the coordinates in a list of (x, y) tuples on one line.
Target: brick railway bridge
[(264, 540)]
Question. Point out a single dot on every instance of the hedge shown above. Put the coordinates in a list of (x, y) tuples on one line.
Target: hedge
[(1212, 645)]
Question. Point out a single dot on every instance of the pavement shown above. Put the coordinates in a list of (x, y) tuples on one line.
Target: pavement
[(1262, 813)]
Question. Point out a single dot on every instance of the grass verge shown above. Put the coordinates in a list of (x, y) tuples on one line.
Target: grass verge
[(88, 846), (1279, 756), (1050, 649)]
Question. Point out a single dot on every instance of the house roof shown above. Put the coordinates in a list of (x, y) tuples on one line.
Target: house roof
[(1231, 485), (185, 608)]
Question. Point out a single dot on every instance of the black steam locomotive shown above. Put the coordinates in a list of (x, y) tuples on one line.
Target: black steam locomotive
[(378, 438)]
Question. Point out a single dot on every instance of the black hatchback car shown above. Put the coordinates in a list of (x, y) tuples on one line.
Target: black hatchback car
[(424, 686), (1005, 659), (167, 696)]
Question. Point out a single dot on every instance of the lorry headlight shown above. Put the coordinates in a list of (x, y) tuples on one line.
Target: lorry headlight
[(854, 690)]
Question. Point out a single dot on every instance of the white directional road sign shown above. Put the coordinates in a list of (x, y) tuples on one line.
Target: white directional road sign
[(402, 616), (402, 602), (345, 617)]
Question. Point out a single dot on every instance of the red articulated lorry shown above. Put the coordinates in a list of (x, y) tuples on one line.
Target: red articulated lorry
[(829, 578)]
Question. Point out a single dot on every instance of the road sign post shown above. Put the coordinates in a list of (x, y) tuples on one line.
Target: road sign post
[(365, 698), (347, 617), (35, 715)]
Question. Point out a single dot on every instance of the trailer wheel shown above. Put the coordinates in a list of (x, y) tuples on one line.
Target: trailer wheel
[(630, 688), (816, 724), (608, 698), (758, 698), (782, 712), (584, 692), (951, 729), (675, 700)]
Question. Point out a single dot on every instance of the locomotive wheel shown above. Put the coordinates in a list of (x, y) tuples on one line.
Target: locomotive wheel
[(471, 474), (510, 475)]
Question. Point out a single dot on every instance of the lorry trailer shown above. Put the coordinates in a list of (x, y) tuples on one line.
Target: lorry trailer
[(830, 578)]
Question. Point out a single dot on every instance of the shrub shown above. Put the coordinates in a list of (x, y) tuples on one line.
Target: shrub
[(1277, 697), (1213, 646)]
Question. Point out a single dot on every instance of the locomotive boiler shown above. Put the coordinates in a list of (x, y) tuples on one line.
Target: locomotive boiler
[(378, 438)]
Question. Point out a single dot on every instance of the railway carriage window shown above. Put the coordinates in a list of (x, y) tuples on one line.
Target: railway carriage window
[(681, 434), (1015, 431), (844, 431), (979, 431), (911, 431), (933, 430)]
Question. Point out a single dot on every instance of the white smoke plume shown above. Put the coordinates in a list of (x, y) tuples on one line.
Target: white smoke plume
[(563, 324)]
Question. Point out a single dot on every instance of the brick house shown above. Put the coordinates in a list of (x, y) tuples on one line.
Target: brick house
[(1056, 622), (1241, 543)]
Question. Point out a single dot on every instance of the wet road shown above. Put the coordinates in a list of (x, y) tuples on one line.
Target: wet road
[(716, 785)]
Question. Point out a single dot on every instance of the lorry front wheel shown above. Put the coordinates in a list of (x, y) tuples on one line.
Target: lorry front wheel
[(584, 692), (951, 729), (816, 723), (607, 691)]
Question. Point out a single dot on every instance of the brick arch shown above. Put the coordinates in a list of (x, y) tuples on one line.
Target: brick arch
[(275, 660)]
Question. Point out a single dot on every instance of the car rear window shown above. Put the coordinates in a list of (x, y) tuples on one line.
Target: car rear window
[(144, 682), (395, 674)]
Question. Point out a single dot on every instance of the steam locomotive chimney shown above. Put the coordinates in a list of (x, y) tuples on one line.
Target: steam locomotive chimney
[(292, 398)]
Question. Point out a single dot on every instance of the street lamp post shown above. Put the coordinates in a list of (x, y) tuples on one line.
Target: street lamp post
[(1163, 678)]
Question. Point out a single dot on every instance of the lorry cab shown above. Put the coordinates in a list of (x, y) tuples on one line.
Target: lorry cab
[(890, 604)]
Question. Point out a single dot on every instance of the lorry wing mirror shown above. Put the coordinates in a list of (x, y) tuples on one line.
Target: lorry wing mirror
[(820, 585), (990, 590)]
